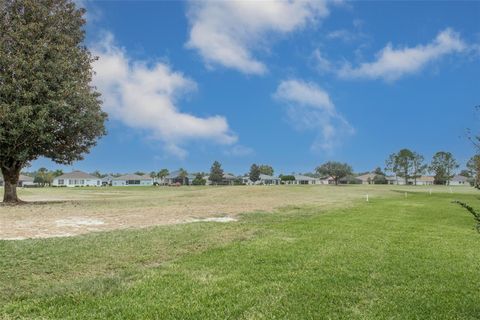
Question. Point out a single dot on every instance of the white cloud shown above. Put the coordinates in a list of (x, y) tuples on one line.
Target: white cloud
[(226, 32), (322, 64), (145, 96), (239, 151), (309, 107), (391, 64)]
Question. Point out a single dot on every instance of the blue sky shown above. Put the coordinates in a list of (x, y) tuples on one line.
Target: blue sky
[(290, 84)]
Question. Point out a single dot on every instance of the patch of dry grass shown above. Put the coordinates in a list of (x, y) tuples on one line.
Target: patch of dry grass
[(137, 207)]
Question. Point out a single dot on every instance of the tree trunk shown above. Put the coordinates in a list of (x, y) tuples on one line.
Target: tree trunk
[(10, 177)]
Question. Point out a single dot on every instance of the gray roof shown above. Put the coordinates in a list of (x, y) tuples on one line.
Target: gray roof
[(77, 175), (460, 178), (302, 177), (365, 177), (267, 177), (228, 176), (22, 177), (132, 177)]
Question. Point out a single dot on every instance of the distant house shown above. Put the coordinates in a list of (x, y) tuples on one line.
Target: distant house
[(23, 181), (395, 180), (76, 179), (264, 179), (228, 179), (301, 179), (132, 180), (268, 180), (424, 181), (175, 178), (107, 181), (366, 178), (459, 180), (326, 180), (421, 181)]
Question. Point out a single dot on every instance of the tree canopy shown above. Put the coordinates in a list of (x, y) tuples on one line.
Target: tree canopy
[(216, 173), (254, 174), (443, 165), (336, 170), (48, 107), (401, 163), (266, 169)]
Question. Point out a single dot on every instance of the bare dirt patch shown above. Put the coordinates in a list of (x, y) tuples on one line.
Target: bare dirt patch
[(69, 212)]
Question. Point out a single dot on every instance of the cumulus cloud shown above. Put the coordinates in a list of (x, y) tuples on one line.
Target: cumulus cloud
[(309, 107), (145, 96), (391, 64), (227, 32)]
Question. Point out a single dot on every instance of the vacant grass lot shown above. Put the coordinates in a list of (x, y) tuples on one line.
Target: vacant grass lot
[(393, 257)]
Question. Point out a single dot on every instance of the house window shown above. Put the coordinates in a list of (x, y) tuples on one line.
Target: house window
[(60, 181), (71, 182)]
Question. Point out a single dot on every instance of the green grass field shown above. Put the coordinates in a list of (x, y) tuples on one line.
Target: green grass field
[(391, 258)]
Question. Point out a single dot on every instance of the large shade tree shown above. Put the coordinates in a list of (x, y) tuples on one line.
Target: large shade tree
[(443, 165), (336, 170), (48, 107), (402, 164), (216, 173)]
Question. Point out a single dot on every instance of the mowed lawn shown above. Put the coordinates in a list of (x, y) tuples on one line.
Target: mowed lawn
[(395, 257)]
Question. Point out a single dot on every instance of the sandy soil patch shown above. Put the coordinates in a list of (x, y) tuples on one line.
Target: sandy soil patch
[(74, 211)]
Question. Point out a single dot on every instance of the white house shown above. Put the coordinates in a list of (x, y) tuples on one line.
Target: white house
[(301, 179), (76, 179), (459, 181), (132, 180), (263, 179)]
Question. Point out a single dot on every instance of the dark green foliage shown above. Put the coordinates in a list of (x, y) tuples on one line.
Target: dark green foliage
[(162, 173), (266, 169), (419, 168), (335, 169), (443, 165), (254, 174), (199, 180), (475, 213), (182, 174), (44, 177), (48, 107), (402, 164), (216, 173), (98, 174), (285, 178), (379, 179)]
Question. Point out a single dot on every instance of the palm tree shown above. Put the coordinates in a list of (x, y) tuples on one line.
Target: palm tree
[(162, 174)]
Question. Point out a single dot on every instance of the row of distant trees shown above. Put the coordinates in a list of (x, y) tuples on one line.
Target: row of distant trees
[(411, 165), (406, 164)]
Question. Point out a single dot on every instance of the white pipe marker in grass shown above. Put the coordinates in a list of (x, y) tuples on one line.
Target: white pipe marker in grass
[(366, 197), (430, 191)]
